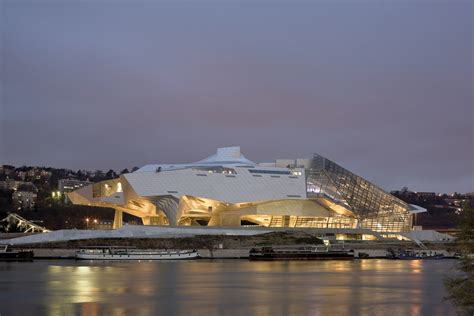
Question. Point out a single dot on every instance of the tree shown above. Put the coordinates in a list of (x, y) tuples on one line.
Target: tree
[(110, 174), (461, 288), (124, 171), (6, 201), (80, 175), (98, 175), (135, 169)]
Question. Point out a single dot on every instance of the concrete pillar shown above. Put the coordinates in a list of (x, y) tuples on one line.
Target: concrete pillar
[(146, 220), (118, 219), (170, 206), (153, 220)]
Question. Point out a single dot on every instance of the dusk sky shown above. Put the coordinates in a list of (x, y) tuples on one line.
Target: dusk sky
[(383, 88)]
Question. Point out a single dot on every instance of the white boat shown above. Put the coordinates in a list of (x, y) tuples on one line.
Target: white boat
[(115, 253)]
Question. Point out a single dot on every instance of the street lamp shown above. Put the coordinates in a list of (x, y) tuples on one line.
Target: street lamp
[(87, 223)]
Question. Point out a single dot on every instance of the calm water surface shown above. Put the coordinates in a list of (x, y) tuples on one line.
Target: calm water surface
[(227, 287)]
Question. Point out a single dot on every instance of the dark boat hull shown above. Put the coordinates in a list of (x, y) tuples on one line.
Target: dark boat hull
[(413, 255), (300, 256), (417, 258), (17, 256)]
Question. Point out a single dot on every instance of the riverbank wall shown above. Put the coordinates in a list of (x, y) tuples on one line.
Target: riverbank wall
[(223, 246), (240, 253)]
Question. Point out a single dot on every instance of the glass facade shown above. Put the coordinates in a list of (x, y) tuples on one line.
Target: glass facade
[(106, 188), (336, 221), (373, 207)]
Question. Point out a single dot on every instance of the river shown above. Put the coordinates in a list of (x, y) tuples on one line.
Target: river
[(225, 287)]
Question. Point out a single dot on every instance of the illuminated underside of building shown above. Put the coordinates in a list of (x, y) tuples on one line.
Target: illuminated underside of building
[(228, 190)]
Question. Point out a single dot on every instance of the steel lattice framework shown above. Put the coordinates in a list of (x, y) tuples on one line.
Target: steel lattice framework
[(23, 224)]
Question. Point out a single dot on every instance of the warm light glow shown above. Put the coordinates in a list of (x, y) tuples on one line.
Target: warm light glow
[(416, 266)]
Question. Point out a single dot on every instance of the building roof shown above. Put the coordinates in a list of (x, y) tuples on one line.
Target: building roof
[(228, 156)]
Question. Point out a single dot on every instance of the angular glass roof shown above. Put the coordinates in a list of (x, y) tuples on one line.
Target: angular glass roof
[(364, 199)]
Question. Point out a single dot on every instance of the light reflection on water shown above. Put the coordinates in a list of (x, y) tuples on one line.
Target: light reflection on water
[(230, 287)]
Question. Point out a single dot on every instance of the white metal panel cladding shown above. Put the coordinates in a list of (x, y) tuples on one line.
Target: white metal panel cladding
[(240, 187)]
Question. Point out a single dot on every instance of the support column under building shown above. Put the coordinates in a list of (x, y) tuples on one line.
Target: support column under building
[(118, 219), (154, 220), (169, 205), (146, 220)]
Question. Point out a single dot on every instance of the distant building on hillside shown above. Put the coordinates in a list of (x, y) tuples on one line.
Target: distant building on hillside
[(426, 194), (6, 169), (8, 184), (11, 184), (68, 185), (103, 224), (37, 173), (24, 198)]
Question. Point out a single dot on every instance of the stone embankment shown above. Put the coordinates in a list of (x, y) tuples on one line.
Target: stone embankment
[(238, 253), (226, 247)]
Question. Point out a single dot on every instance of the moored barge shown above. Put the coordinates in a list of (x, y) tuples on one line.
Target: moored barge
[(409, 254), (299, 253), (117, 253), (7, 253)]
